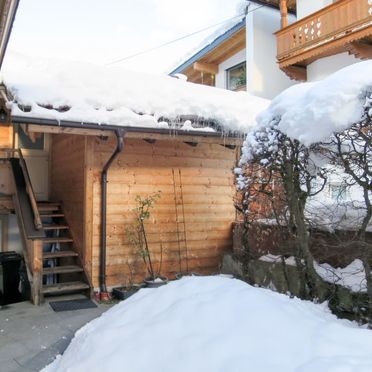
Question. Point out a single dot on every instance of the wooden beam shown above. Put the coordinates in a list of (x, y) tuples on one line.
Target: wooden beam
[(206, 68), (283, 13), (298, 73), (37, 272), (186, 138), (4, 232), (63, 130), (360, 50)]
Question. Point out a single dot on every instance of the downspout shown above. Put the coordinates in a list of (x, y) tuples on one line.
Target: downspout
[(102, 269)]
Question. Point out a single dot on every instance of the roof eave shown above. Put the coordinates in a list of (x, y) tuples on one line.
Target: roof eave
[(108, 127), (213, 45), (8, 13)]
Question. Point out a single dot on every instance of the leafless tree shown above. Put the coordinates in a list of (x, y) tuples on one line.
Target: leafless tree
[(278, 176)]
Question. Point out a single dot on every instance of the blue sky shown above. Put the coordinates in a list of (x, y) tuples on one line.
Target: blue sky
[(100, 31)]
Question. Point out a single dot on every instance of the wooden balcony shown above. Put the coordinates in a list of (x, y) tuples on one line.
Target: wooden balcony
[(345, 25)]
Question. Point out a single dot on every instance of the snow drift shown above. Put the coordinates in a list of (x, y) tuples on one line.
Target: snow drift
[(215, 324)]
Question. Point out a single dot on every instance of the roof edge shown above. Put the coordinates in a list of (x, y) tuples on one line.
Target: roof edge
[(108, 127), (11, 8), (219, 39), (214, 44)]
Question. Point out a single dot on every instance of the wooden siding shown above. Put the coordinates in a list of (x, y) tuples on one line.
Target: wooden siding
[(6, 186), (6, 136), (197, 181), (68, 182)]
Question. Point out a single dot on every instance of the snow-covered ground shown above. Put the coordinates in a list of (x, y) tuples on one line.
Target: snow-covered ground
[(352, 276), (216, 324)]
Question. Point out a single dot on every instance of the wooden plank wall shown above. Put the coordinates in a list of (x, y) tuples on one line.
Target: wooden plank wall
[(200, 175), (67, 181), (6, 141), (6, 136)]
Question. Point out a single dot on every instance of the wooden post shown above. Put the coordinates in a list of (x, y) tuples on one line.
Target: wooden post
[(37, 272), (4, 219), (283, 13)]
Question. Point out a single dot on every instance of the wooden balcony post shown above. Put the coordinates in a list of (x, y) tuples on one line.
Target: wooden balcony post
[(283, 13)]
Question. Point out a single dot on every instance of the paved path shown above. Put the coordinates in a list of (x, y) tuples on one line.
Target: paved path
[(31, 336)]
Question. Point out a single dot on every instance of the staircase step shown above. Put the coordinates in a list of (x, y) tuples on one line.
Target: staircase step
[(54, 226), (57, 240), (62, 269), (59, 254), (64, 287), (52, 215), (46, 207)]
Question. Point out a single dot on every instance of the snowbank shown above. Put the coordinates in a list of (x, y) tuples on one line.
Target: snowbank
[(214, 324), (311, 112), (352, 276), (85, 93)]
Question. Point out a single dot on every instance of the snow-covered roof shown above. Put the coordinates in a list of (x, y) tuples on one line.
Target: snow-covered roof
[(311, 112), (86, 93)]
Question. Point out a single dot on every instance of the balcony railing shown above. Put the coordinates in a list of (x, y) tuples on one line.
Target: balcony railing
[(340, 22)]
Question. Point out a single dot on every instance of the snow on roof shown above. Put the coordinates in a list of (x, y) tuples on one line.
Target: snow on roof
[(215, 324), (211, 42), (86, 93), (220, 34), (311, 112)]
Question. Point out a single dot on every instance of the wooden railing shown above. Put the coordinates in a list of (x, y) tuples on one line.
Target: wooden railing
[(30, 192), (9, 153), (29, 222), (336, 21), (33, 256)]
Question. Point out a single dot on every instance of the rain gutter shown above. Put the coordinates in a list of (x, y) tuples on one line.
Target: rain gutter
[(120, 133)]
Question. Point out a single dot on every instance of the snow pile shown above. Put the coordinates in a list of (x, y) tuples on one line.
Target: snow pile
[(215, 324), (272, 258), (86, 93), (352, 276), (311, 112)]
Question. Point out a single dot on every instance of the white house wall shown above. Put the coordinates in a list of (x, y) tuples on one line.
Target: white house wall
[(306, 7), (323, 67), (221, 77), (264, 78)]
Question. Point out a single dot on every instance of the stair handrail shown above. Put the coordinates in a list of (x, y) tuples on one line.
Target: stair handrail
[(30, 191)]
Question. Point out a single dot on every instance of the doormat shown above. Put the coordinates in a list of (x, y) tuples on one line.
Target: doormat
[(72, 305)]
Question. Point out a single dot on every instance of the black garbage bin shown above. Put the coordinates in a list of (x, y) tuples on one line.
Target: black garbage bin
[(10, 263)]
